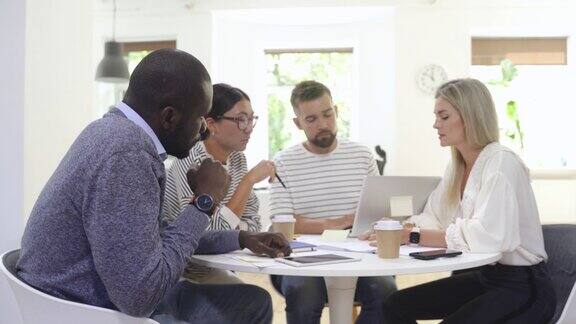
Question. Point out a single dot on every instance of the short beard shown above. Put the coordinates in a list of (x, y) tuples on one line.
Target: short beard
[(323, 142), (176, 146)]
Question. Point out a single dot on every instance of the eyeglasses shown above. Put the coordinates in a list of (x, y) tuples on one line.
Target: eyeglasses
[(241, 121)]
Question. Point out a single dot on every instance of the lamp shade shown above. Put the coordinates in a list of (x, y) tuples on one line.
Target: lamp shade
[(113, 68)]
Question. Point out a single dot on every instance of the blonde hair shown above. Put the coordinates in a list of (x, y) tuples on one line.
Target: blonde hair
[(473, 102)]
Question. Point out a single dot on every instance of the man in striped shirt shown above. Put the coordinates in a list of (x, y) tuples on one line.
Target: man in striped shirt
[(323, 178)]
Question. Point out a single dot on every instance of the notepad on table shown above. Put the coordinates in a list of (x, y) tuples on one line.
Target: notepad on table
[(335, 235), (349, 245), (298, 246)]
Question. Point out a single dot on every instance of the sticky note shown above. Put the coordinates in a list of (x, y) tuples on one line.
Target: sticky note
[(335, 235), (401, 206)]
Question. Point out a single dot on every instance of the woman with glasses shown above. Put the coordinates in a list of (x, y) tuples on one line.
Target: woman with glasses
[(229, 125)]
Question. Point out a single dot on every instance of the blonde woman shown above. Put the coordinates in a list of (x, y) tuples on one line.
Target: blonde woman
[(483, 204)]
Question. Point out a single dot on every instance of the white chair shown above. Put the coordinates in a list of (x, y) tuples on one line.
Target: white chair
[(37, 307), (569, 312)]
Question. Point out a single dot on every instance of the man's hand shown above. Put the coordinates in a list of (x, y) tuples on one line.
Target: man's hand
[(344, 222), (307, 225), (367, 236), (210, 178), (272, 244)]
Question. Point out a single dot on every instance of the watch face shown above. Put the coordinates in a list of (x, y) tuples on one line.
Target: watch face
[(204, 202), (414, 237)]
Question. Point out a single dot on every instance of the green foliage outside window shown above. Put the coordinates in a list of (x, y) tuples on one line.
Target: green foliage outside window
[(276, 117), (133, 58), (514, 133)]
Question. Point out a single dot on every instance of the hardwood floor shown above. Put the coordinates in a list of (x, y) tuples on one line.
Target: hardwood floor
[(278, 301)]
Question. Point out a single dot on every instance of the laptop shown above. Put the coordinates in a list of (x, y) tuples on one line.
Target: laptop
[(379, 191)]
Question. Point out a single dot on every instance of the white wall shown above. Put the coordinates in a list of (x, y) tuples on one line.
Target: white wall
[(192, 30), (46, 100), (12, 23), (239, 59), (219, 39), (59, 76), (442, 36), (391, 49)]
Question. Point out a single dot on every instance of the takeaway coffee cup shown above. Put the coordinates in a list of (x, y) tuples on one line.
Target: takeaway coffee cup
[(284, 224), (389, 236)]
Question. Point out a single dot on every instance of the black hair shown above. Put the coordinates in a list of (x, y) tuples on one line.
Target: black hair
[(167, 77), (224, 98)]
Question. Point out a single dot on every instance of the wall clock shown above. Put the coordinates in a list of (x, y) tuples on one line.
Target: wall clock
[(430, 77)]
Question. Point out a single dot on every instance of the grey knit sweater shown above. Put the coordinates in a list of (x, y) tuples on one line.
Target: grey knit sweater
[(95, 236)]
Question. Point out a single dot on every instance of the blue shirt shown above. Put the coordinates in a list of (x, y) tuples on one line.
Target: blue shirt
[(134, 117)]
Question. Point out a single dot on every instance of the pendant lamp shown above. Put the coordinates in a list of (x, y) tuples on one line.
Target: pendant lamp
[(113, 67)]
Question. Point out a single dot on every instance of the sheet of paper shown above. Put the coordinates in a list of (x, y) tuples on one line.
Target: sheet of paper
[(352, 246), (349, 244), (335, 235), (251, 258), (401, 206), (356, 245)]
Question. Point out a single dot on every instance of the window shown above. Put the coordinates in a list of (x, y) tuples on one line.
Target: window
[(532, 87), (285, 68), (134, 52), (521, 51)]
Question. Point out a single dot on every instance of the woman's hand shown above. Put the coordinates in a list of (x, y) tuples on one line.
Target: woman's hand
[(406, 233), (264, 169), (369, 235)]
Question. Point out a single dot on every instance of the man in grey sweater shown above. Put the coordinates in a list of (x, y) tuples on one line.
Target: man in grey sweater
[(94, 235)]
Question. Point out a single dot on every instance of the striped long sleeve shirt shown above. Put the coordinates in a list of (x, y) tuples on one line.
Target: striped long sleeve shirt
[(178, 195), (321, 185)]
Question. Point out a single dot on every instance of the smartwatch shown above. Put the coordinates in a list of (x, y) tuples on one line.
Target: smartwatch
[(204, 202), (414, 238)]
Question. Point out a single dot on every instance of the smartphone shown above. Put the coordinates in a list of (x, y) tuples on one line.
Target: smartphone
[(434, 254), (312, 260)]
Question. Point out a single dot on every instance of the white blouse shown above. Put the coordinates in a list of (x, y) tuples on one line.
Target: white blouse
[(497, 212)]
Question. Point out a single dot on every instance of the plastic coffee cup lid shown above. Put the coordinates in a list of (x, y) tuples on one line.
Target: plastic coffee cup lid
[(284, 219), (388, 225)]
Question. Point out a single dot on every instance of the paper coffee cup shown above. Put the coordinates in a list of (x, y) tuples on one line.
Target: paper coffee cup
[(388, 236), (284, 224)]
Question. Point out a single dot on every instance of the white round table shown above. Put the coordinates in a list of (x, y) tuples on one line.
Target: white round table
[(341, 278)]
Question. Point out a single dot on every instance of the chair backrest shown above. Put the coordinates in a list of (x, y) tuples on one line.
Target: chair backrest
[(380, 163), (560, 240), (37, 307)]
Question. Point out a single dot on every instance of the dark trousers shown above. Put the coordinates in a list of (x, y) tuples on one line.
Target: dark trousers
[(492, 294), (306, 296), (211, 303)]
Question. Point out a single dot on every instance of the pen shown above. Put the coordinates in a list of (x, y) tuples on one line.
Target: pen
[(277, 177)]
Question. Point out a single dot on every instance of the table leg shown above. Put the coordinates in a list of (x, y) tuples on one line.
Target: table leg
[(340, 298)]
